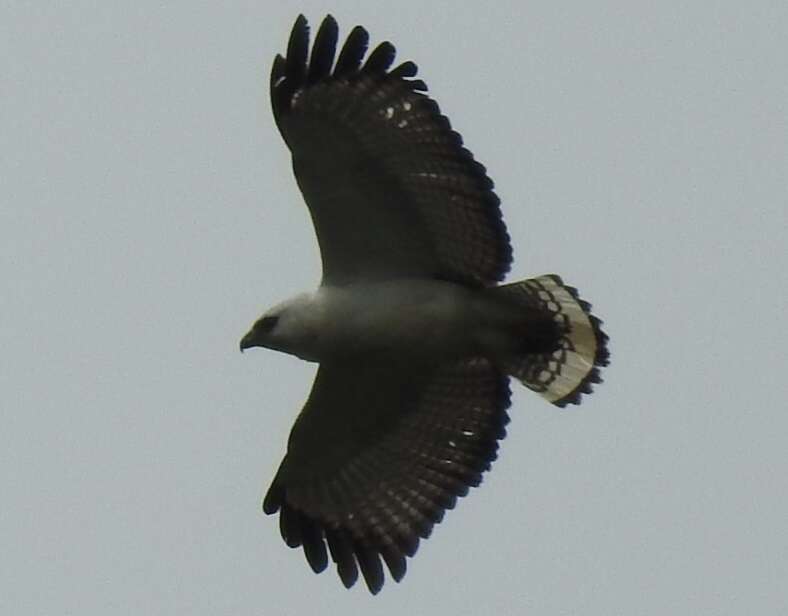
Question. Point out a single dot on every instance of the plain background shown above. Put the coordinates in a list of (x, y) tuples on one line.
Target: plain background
[(149, 215)]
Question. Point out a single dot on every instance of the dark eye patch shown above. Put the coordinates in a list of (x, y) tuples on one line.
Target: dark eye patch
[(266, 324)]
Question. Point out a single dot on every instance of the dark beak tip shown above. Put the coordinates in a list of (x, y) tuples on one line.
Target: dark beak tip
[(245, 343)]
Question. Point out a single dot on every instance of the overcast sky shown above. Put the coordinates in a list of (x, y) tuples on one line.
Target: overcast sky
[(148, 215)]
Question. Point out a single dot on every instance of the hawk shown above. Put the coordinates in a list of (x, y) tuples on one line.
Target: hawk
[(416, 341)]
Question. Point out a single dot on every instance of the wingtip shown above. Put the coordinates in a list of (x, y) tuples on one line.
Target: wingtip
[(380, 59), (272, 501), (352, 51), (323, 50), (297, 50)]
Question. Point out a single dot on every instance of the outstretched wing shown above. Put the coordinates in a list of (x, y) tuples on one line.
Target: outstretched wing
[(377, 455), (391, 190)]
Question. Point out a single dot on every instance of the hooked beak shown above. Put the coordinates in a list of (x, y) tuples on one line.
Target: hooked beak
[(247, 341)]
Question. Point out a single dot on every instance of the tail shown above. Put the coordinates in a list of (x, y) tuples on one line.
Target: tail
[(565, 347)]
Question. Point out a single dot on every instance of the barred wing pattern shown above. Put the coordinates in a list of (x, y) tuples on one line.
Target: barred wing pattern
[(390, 188), (378, 454)]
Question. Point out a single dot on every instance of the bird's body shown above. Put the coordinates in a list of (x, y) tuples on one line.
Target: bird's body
[(416, 341), (424, 319)]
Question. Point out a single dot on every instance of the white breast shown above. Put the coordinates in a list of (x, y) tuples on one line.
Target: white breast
[(398, 317)]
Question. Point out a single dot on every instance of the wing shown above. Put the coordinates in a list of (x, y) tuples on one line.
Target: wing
[(378, 454), (391, 190)]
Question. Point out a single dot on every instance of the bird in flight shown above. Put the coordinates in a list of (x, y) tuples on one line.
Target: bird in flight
[(415, 339)]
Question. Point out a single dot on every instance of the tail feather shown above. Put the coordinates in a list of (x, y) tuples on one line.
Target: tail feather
[(564, 368)]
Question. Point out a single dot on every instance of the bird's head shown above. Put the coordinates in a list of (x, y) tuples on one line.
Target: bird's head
[(288, 327)]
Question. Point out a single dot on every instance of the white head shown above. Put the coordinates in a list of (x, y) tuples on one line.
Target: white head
[(290, 327)]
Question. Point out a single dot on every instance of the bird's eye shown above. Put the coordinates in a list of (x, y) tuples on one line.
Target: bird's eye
[(266, 324)]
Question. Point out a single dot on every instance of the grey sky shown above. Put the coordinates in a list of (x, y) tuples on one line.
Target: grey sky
[(148, 215)]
